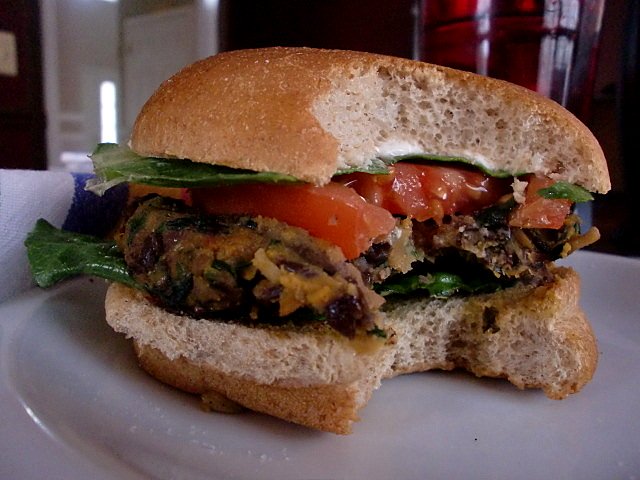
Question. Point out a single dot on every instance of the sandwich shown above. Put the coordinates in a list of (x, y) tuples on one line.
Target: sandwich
[(305, 223)]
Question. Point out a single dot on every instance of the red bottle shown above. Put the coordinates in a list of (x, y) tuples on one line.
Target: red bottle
[(548, 46)]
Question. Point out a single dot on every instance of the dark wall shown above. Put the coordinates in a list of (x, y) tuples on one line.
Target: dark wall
[(381, 26), (22, 118)]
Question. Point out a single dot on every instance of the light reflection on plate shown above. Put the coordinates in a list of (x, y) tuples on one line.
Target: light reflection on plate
[(75, 405)]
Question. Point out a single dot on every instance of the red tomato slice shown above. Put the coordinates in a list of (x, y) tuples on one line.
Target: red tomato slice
[(539, 212), (428, 191), (333, 212)]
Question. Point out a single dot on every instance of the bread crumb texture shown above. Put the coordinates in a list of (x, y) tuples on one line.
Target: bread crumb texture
[(535, 338)]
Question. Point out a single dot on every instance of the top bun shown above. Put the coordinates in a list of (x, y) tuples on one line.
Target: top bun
[(309, 112)]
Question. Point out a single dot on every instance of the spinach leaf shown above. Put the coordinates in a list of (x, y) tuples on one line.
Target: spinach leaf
[(55, 255), (437, 285), (426, 157), (566, 190), (497, 215), (380, 165), (114, 164)]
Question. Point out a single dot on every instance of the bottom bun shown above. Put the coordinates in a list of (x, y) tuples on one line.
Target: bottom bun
[(316, 378), (332, 408), (534, 337)]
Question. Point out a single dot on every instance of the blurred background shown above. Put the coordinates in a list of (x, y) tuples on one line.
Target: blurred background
[(75, 72)]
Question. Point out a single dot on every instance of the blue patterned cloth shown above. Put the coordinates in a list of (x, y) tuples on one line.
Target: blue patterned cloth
[(58, 197)]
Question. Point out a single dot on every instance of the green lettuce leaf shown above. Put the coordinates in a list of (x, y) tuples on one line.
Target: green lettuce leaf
[(437, 285), (55, 255), (114, 164), (567, 191)]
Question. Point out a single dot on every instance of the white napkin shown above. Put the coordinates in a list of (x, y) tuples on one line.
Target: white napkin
[(59, 198)]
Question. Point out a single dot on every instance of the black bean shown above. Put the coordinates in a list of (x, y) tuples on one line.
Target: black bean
[(345, 314)]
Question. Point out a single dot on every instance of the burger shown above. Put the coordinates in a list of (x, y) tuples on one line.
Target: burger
[(305, 223)]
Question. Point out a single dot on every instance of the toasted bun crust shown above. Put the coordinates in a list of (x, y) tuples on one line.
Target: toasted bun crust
[(309, 113), (330, 407), (534, 337)]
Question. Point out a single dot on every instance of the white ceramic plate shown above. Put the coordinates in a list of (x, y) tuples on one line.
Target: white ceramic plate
[(74, 405)]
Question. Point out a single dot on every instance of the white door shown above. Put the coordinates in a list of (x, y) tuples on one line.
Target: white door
[(156, 46)]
